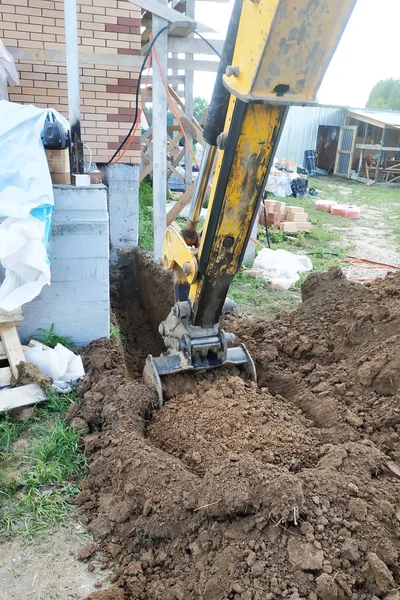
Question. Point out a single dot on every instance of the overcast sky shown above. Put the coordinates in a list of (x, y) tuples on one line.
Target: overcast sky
[(367, 52)]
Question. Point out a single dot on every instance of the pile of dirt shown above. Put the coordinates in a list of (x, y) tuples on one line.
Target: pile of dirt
[(288, 489)]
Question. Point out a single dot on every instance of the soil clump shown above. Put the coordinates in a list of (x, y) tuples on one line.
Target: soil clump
[(285, 489)]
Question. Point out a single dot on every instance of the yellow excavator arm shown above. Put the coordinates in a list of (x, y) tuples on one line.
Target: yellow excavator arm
[(275, 54)]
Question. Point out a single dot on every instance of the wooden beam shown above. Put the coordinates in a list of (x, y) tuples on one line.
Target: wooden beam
[(21, 396), (189, 82), (172, 80), (377, 147), (189, 45), (159, 132), (182, 28), (85, 58), (12, 347), (193, 45), (169, 14), (210, 66), (120, 60), (180, 204)]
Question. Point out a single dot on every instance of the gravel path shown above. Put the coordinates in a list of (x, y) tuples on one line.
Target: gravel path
[(372, 238)]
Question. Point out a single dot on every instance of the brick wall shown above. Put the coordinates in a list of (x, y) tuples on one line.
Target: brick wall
[(107, 92)]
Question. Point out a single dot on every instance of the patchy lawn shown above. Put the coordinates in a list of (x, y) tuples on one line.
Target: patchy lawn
[(42, 462)]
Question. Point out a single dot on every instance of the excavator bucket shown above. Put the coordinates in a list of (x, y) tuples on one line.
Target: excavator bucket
[(170, 364)]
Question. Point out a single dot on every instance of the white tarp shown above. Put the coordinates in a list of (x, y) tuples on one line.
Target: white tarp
[(8, 72), (281, 267), (26, 200)]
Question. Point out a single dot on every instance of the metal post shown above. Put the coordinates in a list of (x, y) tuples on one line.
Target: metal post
[(362, 150), (159, 137), (379, 159), (189, 80), (71, 47)]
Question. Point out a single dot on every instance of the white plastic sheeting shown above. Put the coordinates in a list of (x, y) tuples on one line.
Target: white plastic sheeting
[(281, 267), (59, 363), (8, 72), (26, 200)]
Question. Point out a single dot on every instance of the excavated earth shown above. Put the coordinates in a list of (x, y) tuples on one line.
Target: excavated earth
[(232, 490)]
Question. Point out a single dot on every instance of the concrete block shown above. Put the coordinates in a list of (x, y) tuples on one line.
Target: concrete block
[(123, 205)]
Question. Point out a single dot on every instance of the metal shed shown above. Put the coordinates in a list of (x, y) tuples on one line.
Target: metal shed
[(300, 132)]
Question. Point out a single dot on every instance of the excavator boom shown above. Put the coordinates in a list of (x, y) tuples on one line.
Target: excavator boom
[(275, 54)]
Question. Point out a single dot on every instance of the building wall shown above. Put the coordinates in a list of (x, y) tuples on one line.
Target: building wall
[(107, 92), (301, 129)]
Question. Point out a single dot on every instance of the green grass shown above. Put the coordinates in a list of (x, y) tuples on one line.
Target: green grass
[(115, 332), (50, 338), (255, 296), (146, 216), (39, 475)]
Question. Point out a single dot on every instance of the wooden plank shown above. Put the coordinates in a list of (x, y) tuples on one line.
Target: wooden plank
[(377, 147), (180, 204), (21, 396), (182, 28), (163, 11), (120, 60), (193, 45), (13, 348), (189, 45), (11, 318), (160, 71), (5, 376), (189, 82), (85, 58)]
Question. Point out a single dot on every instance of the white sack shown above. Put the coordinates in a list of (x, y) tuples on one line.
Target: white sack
[(25, 185), (60, 364), (281, 267), (8, 71)]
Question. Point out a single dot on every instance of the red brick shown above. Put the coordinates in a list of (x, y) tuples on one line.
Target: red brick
[(127, 111), (119, 118), (113, 145), (117, 28), (130, 21), (121, 89), (128, 51)]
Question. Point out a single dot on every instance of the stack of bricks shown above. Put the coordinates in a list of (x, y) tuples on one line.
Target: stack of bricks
[(107, 92), (291, 219), (295, 220)]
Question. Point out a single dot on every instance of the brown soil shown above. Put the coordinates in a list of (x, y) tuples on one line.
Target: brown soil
[(29, 373), (288, 489)]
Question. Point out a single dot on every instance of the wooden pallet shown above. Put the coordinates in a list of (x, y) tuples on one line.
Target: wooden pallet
[(12, 351)]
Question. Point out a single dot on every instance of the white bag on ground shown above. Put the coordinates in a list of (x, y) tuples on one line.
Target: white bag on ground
[(281, 267), (60, 364)]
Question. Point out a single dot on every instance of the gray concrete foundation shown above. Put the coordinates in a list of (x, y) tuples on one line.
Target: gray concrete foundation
[(78, 299), (122, 181)]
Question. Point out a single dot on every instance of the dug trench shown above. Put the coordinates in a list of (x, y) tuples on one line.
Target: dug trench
[(232, 490)]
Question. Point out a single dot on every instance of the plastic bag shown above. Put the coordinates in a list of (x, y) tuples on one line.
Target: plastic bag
[(26, 198), (281, 267), (8, 71), (59, 363)]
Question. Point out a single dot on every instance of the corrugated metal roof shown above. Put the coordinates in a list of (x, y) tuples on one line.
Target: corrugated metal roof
[(391, 118), (301, 129)]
